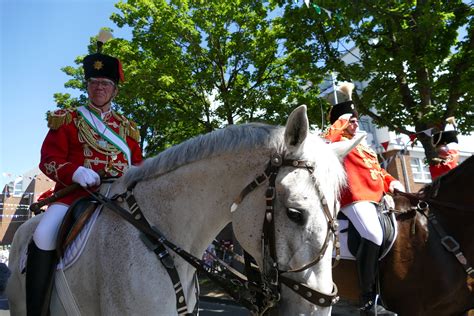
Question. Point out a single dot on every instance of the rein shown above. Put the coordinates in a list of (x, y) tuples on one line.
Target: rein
[(448, 242), (258, 292)]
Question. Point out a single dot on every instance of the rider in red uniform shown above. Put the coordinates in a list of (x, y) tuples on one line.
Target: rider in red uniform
[(80, 143), (447, 158), (367, 183)]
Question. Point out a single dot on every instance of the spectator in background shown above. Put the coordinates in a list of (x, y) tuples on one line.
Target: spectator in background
[(209, 257), (448, 158)]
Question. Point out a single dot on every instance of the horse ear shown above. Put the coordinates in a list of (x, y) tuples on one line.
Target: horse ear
[(343, 148), (297, 127)]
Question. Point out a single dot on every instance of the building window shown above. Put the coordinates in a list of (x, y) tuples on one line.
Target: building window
[(420, 170), (18, 187), (364, 125)]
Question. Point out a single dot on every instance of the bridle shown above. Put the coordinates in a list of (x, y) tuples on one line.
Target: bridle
[(266, 286), (272, 276)]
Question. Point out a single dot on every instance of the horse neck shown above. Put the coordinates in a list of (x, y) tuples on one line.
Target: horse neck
[(450, 198), (191, 204)]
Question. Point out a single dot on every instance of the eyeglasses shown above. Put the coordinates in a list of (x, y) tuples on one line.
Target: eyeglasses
[(353, 121), (106, 83)]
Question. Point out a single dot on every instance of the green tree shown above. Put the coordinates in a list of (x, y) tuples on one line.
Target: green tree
[(419, 71), (193, 66)]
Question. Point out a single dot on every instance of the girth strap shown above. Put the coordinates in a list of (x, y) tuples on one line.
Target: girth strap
[(162, 253), (167, 261)]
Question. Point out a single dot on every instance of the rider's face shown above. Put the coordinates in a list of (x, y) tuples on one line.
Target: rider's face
[(443, 151), (101, 91), (353, 125)]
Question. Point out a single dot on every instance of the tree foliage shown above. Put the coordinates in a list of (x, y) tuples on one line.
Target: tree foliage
[(419, 71), (193, 66)]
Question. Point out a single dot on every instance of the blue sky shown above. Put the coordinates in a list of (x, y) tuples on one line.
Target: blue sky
[(38, 38)]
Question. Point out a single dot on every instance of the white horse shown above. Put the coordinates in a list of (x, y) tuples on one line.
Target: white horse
[(186, 192)]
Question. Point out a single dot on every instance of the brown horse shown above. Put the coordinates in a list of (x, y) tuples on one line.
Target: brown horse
[(419, 276)]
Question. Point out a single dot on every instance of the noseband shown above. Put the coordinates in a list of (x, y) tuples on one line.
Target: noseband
[(273, 276)]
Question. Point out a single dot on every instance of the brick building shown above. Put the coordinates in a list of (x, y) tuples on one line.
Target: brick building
[(15, 200)]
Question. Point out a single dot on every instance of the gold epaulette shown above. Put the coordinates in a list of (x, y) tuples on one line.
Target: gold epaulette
[(133, 131), (129, 127), (59, 117)]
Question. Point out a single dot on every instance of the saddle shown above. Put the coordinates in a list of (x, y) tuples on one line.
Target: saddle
[(389, 228), (74, 221)]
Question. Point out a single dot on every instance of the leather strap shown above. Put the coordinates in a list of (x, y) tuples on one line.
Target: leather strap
[(450, 244), (310, 294)]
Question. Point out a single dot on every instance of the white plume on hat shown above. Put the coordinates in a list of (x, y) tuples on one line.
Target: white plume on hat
[(342, 93), (345, 91), (104, 36)]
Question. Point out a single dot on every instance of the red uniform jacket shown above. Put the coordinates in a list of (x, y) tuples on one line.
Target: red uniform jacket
[(71, 143), (366, 179), (444, 166)]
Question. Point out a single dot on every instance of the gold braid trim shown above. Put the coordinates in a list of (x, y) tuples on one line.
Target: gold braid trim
[(91, 138), (127, 127), (58, 118)]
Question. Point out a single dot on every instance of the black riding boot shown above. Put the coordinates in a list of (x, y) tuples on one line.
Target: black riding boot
[(367, 266), (40, 267)]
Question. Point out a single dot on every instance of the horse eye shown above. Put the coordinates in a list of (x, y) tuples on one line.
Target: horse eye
[(295, 215)]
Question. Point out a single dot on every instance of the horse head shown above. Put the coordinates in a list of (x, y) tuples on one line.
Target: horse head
[(304, 211)]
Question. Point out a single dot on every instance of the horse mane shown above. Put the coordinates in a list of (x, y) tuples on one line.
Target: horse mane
[(235, 138)]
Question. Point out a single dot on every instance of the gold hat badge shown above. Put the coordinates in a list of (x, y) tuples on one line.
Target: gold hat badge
[(98, 65)]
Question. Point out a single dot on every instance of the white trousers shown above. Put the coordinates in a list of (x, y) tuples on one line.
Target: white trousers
[(47, 230), (363, 216)]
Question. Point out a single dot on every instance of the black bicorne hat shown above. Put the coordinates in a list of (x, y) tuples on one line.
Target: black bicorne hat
[(346, 107), (99, 65), (444, 138)]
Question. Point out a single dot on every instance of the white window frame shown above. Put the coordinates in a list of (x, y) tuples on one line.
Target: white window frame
[(422, 170)]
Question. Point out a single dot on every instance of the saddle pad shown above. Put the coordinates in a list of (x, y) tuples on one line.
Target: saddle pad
[(73, 252)]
